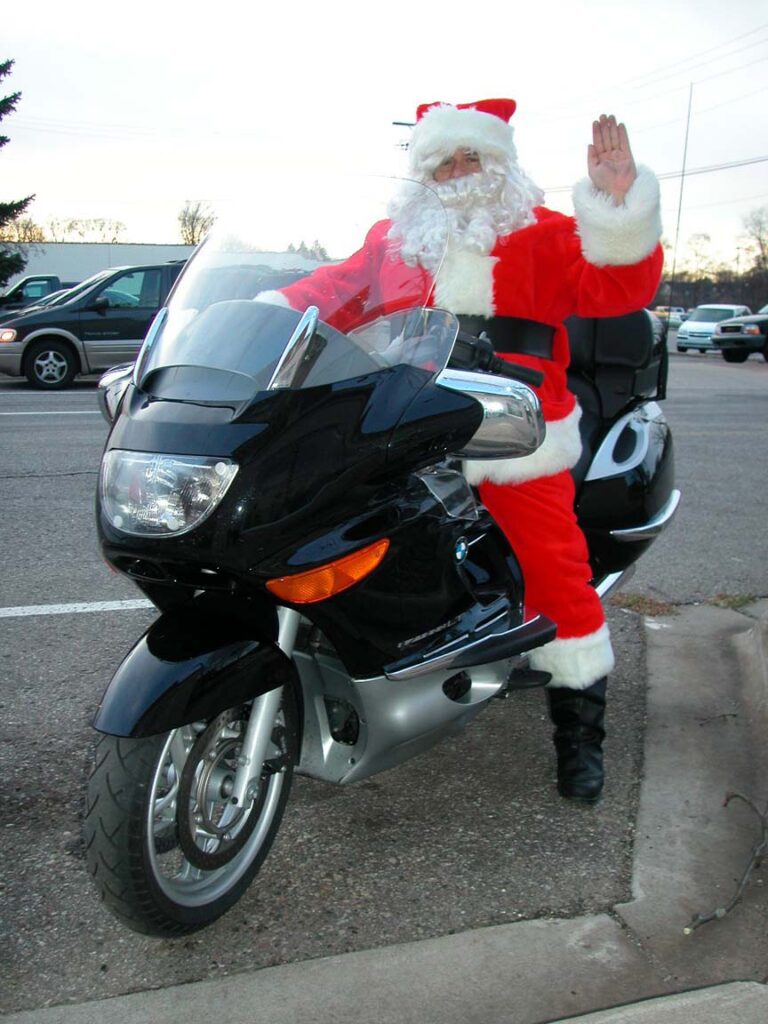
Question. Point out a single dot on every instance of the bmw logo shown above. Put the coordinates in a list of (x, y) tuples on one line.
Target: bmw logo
[(461, 550)]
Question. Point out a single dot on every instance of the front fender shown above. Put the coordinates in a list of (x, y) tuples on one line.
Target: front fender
[(188, 666)]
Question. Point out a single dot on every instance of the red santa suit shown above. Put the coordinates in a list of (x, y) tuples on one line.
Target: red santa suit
[(605, 261)]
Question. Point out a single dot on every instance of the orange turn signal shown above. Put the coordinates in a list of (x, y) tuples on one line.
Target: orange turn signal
[(331, 579)]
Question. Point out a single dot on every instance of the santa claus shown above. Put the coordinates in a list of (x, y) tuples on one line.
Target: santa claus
[(516, 270)]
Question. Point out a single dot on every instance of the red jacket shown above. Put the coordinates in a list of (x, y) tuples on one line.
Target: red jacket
[(539, 272)]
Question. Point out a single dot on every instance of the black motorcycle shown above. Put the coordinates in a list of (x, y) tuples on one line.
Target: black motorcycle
[(333, 597)]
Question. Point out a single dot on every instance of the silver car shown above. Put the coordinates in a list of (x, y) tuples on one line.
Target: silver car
[(696, 332)]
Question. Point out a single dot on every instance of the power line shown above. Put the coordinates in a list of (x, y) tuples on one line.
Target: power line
[(698, 113), (669, 175), (686, 71), (704, 53), (727, 202), (655, 77)]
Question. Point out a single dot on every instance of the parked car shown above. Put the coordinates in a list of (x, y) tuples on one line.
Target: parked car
[(673, 316), (89, 328), (697, 331), (659, 325), (739, 336)]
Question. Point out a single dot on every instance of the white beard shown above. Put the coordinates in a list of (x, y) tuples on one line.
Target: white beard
[(476, 210)]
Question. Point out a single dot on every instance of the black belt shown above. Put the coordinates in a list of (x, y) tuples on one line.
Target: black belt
[(512, 334)]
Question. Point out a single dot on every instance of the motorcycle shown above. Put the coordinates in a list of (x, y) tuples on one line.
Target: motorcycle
[(333, 598)]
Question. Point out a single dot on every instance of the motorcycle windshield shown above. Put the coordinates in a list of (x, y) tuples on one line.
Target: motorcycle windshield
[(309, 285)]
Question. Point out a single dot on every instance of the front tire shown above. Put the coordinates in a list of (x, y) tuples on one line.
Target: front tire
[(161, 849), (50, 364), (735, 355)]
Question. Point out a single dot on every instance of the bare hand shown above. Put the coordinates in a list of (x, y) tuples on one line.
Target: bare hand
[(609, 158)]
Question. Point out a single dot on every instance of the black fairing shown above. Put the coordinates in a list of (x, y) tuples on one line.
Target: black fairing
[(189, 665), (322, 472), (421, 598)]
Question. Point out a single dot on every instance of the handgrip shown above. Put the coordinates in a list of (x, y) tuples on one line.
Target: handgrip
[(470, 353), (525, 374)]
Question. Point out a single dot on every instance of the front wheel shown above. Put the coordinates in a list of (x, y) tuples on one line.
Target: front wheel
[(50, 364), (168, 852), (735, 355)]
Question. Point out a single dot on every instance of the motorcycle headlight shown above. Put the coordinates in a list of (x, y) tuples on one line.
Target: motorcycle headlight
[(152, 495)]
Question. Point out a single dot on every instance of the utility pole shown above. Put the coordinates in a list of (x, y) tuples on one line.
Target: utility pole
[(680, 199)]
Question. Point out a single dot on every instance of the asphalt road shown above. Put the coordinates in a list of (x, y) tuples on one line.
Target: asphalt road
[(470, 834)]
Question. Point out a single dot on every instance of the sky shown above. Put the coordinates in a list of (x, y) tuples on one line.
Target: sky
[(128, 111)]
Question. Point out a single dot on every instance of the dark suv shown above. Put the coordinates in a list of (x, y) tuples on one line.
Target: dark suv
[(89, 328), (741, 335)]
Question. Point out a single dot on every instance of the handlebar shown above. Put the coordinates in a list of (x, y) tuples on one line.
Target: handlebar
[(471, 353)]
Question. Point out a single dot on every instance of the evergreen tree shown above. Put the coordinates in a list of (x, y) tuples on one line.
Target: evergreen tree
[(11, 262)]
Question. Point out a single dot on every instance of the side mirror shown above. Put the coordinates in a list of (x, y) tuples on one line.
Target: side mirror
[(100, 304), (513, 423), (112, 386)]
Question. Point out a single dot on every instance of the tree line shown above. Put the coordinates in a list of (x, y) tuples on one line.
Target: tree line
[(700, 278)]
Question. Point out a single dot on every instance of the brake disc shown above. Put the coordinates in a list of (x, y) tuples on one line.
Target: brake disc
[(211, 829)]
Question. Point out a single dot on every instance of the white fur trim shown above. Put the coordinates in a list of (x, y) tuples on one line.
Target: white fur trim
[(577, 662), (464, 283), (616, 236), (560, 450), (274, 298), (444, 129)]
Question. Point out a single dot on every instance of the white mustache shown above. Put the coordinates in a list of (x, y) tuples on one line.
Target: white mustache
[(480, 189)]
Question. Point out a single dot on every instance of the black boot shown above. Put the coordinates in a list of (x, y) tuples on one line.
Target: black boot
[(578, 717)]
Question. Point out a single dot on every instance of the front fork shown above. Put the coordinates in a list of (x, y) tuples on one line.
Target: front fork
[(264, 711)]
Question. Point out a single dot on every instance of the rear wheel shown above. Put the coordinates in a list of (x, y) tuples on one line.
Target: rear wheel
[(166, 848), (50, 364), (735, 355)]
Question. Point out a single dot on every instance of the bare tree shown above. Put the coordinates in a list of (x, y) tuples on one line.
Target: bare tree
[(22, 229), (85, 229), (756, 228), (699, 257), (195, 221)]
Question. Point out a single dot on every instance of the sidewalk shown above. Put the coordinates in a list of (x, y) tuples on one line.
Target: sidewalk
[(706, 737)]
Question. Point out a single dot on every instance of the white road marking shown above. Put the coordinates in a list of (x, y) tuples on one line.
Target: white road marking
[(68, 412), (73, 609)]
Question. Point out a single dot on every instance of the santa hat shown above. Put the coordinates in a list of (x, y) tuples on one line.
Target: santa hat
[(442, 128)]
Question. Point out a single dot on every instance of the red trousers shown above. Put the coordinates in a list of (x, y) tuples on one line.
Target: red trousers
[(539, 521)]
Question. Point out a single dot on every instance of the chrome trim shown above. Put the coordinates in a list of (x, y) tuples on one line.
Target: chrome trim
[(439, 662), (639, 421), (513, 423), (651, 529), (613, 581), (293, 350)]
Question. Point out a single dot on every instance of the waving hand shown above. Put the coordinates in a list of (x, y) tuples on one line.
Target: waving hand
[(609, 158)]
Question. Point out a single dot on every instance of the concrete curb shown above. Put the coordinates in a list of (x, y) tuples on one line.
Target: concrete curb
[(706, 735), (742, 1002), (705, 738)]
